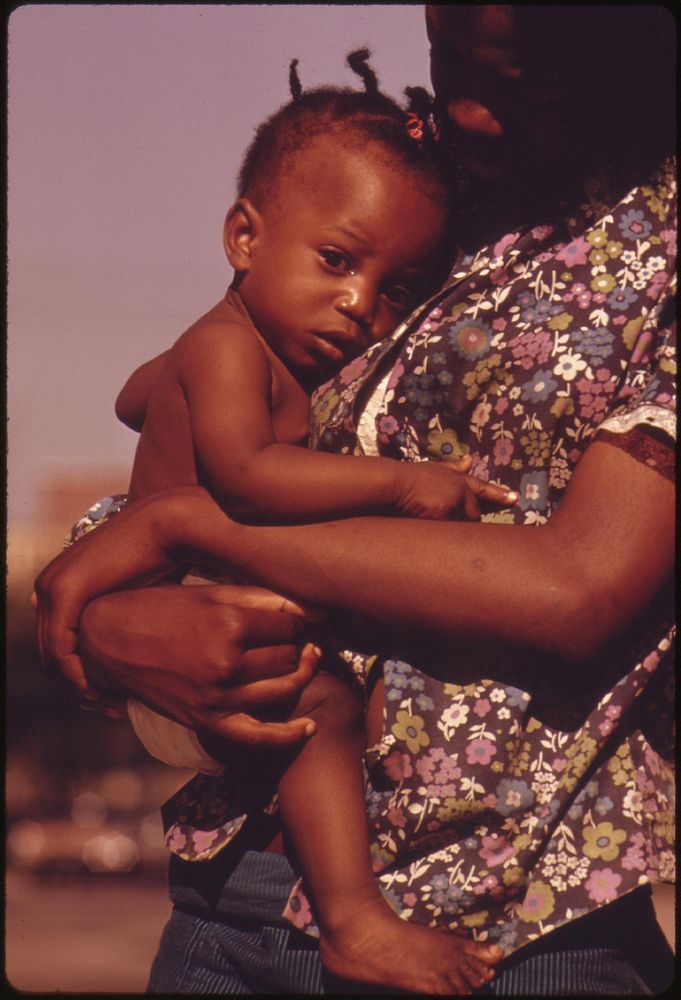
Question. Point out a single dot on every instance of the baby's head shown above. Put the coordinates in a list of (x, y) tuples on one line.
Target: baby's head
[(340, 221)]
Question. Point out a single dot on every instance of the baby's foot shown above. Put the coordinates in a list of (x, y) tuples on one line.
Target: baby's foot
[(376, 946)]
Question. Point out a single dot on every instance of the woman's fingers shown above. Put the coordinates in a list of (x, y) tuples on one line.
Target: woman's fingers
[(71, 670), (245, 730), (242, 728), (57, 638), (262, 599), (267, 661), (273, 692)]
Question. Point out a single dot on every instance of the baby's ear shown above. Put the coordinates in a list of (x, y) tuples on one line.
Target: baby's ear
[(240, 237)]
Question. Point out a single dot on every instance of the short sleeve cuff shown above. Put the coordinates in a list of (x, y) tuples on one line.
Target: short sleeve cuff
[(650, 415)]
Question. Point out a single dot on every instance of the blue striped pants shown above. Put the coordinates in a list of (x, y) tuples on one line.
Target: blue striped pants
[(237, 944)]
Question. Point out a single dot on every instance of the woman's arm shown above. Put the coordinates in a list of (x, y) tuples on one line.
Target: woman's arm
[(566, 586)]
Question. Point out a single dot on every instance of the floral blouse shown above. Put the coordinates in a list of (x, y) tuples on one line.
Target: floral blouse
[(493, 810)]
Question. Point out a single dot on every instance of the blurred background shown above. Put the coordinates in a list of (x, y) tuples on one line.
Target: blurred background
[(126, 125)]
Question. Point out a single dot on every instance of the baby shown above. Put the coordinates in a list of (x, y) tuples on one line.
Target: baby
[(336, 235)]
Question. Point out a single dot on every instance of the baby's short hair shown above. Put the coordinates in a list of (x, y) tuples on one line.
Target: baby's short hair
[(351, 115)]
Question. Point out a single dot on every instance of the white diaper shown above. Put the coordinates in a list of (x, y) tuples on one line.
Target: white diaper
[(169, 741)]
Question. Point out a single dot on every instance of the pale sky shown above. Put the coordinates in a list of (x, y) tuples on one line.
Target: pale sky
[(126, 127)]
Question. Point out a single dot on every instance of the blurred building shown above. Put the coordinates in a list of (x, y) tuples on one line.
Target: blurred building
[(81, 792), (63, 497)]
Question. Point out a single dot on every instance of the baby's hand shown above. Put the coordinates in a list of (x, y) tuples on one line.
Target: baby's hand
[(437, 491)]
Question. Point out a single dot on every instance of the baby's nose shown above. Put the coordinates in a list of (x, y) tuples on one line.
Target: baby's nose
[(359, 302)]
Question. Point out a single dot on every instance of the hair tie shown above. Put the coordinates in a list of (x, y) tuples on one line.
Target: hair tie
[(414, 126)]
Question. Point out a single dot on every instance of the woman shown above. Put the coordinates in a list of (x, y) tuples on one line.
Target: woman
[(508, 805)]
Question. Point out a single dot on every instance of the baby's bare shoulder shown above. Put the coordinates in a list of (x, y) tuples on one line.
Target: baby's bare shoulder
[(221, 347), (220, 332)]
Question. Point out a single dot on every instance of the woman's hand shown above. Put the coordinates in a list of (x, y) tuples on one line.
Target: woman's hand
[(137, 547), (211, 657)]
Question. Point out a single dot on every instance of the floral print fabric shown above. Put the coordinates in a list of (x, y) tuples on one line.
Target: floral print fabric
[(492, 810)]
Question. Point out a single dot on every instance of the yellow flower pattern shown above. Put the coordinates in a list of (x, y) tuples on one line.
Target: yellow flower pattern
[(410, 728), (602, 841)]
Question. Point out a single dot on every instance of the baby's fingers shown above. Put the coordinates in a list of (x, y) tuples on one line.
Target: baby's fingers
[(495, 493), (462, 464), (471, 503), (478, 489)]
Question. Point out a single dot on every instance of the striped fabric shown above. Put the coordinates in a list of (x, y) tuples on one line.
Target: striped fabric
[(237, 945), (579, 972), (201, 956)]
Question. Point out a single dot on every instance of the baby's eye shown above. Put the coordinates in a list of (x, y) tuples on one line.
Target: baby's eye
[(336, 260), (399, 296)]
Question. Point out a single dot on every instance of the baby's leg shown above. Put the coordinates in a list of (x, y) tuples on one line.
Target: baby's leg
[(322, 804)]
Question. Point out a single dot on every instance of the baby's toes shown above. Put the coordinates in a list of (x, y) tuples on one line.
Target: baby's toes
[(476, 972)]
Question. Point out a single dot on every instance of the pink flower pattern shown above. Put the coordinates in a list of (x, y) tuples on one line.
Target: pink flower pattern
[(602, 884), (480, 751)]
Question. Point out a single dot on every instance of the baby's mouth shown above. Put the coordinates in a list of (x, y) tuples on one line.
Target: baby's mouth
[(336, 346)]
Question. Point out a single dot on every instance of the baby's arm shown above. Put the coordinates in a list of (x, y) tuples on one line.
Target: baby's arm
[(227, 381), (131, 404)]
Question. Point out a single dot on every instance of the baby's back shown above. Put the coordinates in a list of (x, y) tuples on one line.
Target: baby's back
[(165, 455)]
